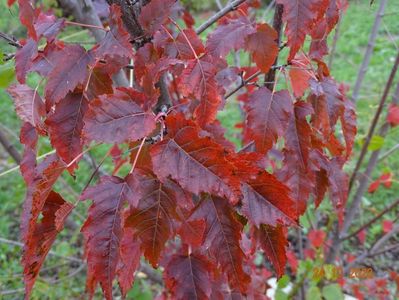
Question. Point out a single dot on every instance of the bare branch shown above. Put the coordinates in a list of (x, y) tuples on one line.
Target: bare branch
[(11, 40), (229, 7)]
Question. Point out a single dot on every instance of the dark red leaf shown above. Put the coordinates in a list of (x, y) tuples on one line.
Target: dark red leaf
[(301, 17), (197, 164), (28, 104), (189, 276), (299, 75), (266, 201), (24, 58), (273, 242), (65, 125), (263, 46), (152, 220), (387, 226), (55, 211), (27, 16), (155, 14), (267, 117), (129, 260), (222, 238), (48, 26), (117, 118), (230, 36), (70, 70), (117, 40), (103, 229)]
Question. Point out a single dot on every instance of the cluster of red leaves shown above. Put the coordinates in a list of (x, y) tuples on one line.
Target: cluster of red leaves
[(191, 202)]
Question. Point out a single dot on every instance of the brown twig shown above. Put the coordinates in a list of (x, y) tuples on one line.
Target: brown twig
[(270, 77), (373, 220), (230, 7), (11, 40), (375, 121)]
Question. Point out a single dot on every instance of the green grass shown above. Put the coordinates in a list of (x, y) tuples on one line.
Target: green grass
[(354, 34)]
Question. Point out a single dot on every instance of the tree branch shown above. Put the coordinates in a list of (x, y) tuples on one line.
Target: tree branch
[(229, 7), (11, 40), (270, 77)]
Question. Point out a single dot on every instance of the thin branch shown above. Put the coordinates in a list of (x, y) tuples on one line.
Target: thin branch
[(9, 147), (229, 7), (389, 152), (375, 121), (369, 50), (373, 220), (270, 77), (11, 40), (335, 41)]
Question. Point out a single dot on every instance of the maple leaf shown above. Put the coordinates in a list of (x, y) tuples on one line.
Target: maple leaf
[(222, 238), (301, 17), (155, 14), (27, 16), (273, 242), (24, 58), (103, 230), (117, 118), (189, 276), (71, 69), (267, 117), (129, 260), (100, 82), (316, 238), (152, 220), (198, 80), (48, 26), (117, 40), (55, 211), (230, 36), (299, 75), (197, 164), (266, 201), (28, 104), (298, 134), (65, 126), (263, 46)]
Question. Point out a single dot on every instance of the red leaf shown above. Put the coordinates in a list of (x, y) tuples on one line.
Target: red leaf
[(192, 232), (55, 211), (28, 104), (393, 115), (387, 226), (152, 220), (71, 69), (349, 125), (198, 80), (197, 164), (117, 40), (301, 17), (266, 201), (267, 117), (189, 50), (24, 58), (263, 46), (155, 14), (100, 83), (374, 186), (117, 118), (230, 36), (27, 16), (103, 230), (386, 179), (65, 126), (129, 261), (362, 236), (222, 238), (317, 238), (273, 242), (48, 26), (298, 135), (299, 75), (189, 276)]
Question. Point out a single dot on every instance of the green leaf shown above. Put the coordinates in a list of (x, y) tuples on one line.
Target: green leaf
[(376, 143), (314, 293), (280, 295), (1, 58), (7, 74), (333, 292), (283, 282)]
